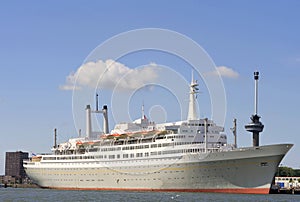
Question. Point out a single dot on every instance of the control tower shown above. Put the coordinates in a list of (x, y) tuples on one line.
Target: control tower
[(255, 127)]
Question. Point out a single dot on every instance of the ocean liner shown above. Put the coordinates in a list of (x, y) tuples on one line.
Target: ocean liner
[(190, 155)]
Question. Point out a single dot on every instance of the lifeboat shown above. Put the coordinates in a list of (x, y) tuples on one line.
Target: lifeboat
[(36, 158)]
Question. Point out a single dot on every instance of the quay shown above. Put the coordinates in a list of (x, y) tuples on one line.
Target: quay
[(286, 185)]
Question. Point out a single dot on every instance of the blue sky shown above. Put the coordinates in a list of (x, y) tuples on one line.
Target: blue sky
[(41, 43)]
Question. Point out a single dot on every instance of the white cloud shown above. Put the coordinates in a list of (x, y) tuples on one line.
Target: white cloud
[(225, 72), (109, 74), (69, 87)]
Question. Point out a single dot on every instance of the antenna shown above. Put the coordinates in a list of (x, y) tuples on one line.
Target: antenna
[(55, 138), (143, 112), (192, 76), (97, 102), (256, 91)]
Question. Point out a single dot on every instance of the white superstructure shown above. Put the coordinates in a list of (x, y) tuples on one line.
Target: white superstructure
[(189, 155)]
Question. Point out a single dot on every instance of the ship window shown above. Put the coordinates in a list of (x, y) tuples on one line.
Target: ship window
[(49, 158), (264, 164), (139, 155), (93, 150)]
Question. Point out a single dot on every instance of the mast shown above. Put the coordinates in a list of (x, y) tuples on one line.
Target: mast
[(234, 131), (143, 112), (97, 102), (194, 90), (255, 127), (205, 135), (55, 138)]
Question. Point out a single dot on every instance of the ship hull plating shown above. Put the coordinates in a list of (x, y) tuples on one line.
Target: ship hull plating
[(244, 170)]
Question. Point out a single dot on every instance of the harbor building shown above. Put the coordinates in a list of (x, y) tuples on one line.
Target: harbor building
[(14, 164)]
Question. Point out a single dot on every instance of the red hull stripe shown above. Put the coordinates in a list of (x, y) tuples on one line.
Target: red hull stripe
[(229, 190)]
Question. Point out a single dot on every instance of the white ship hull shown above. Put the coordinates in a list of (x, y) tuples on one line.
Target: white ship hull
[(244, 170), (189, 155)]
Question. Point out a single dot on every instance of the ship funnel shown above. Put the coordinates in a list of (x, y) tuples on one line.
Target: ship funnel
[(89, 111), (255, 127), (105, 115), (105, 119), (88, 121)]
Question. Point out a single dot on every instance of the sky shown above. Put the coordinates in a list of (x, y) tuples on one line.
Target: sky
[(45, 45)]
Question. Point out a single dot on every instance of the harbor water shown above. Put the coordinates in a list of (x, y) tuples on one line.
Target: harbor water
[(36, 194)]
